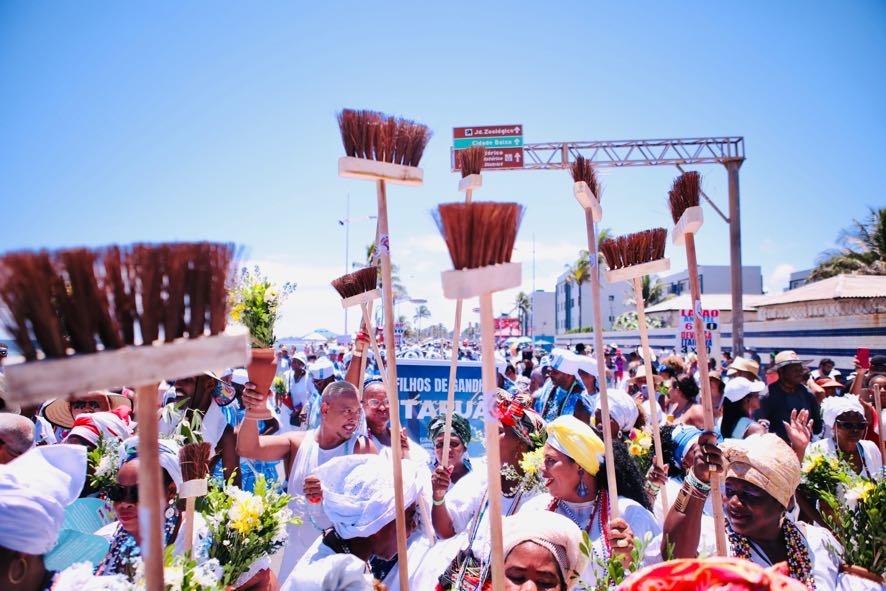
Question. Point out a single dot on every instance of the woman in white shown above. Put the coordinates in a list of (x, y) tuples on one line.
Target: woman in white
[(740, 399), (761, 474), (577, 488), (844, 415)]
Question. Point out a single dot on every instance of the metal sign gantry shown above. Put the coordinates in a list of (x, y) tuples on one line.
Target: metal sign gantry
[(679, 152)]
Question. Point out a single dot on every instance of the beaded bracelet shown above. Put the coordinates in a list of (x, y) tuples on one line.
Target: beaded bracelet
[(697, 484)]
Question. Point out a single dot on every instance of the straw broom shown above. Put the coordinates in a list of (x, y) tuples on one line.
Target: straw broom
[(629, 258), (683, 200), (83, 309), (386, 149), (471, 163), (588, 192), (480, 239)]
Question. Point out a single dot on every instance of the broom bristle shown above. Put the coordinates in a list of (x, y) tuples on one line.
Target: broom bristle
[(89, 299), (356, 283), (684, 193), (479, 234), (634, 249), (376, 136), (583, 170), (194, 460), (470, 161)]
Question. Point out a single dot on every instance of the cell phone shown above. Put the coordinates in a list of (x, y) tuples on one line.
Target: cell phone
[(864, 357)]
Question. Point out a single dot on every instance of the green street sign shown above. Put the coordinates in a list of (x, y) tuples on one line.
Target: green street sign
[(488, 142)]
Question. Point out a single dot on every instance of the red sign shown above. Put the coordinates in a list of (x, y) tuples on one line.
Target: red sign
[(487, 131), (497, 158), (507, 327)]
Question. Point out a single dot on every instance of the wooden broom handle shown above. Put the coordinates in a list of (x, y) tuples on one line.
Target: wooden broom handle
[(150, 487), (601, 365), (190, 507), (493, 454), (879, 408), (367, 310), (706, 403), (374, 344), (650, 384), (450, 396), (391, 386)]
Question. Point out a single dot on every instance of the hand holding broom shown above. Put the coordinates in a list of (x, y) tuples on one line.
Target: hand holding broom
[(683, 200)]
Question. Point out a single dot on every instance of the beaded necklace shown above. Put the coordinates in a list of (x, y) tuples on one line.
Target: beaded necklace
[(799, 561), (601, 511)]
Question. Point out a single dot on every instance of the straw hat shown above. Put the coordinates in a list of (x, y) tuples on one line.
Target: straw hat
[(786, 358), (765, 461), (640, 376), (743, 364), (828, 383), (58, 412)]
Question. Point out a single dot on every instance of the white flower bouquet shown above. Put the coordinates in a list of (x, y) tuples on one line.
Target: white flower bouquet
[(103, 462), (245, 527)]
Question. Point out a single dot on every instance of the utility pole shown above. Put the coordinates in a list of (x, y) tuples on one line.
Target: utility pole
[(347, 246), (732, 167)]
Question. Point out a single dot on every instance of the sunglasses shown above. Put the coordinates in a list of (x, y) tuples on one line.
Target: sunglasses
[(853, 426), (92, 405), (118, 493)]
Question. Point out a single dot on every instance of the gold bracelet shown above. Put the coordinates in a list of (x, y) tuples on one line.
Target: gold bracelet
[(682, 502)]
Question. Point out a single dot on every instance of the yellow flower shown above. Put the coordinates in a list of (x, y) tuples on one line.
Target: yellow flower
[(245, 513), (531, 462), (237, 312), (635, 449)]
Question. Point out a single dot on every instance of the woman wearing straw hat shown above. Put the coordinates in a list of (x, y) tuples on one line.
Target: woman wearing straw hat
[(576, 484), (62, 412), (761, 475)]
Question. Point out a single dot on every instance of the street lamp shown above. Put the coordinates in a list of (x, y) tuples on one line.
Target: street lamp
[(346, 222)]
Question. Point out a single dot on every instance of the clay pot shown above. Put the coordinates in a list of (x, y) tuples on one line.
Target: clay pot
[(262, 369)]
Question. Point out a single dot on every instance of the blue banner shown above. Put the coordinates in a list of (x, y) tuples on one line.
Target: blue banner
[(424, 385)]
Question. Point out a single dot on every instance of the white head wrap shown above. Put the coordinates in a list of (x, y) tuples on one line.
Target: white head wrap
[(622, 409), (833, 406), (240, 376), (565, 361), (357, 493), (168, 457), (115, 424), (586, 364), (555, 532), (321, 369), (35, 488), (501, 364)]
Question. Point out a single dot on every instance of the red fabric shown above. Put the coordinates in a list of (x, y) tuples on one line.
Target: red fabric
[(721, 574)]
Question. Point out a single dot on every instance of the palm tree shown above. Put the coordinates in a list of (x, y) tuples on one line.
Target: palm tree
[(421, 312), (523, 305), (653, 292), (579, 273), (862, 249)]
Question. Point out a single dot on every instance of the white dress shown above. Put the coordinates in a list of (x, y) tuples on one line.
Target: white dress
[(642, 522), (873, 462), (307, 459)]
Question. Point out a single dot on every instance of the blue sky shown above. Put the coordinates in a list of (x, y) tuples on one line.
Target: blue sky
[(214, 120)]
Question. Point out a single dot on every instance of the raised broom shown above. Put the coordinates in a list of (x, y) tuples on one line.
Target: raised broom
[(360, 289), (683, 200), (194, 461), (629, 258), (75, 315), (587, 191), (470, 163), (386, 149), (480, 237)]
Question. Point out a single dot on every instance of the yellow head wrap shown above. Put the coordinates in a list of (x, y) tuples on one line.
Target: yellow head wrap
[(577, 440)]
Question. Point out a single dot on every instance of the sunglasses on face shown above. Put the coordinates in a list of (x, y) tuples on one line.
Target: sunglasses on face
[(853, 426), (118, 493), (92, 405)]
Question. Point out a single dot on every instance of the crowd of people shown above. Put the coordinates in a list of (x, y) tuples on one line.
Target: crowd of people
[(321, 438)]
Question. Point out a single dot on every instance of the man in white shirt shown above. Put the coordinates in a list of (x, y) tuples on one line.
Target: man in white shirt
[(826, 370)]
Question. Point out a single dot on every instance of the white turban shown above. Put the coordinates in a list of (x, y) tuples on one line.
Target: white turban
[(565, 361), (358, 493), (622, 409), (114, 424), (168, 457), (555, 532), (35, 488), (585, 364), (321, 369), (833, 406)]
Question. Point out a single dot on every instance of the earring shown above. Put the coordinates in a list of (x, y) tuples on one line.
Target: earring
[(24, 571), (581, 489), (170, 509)]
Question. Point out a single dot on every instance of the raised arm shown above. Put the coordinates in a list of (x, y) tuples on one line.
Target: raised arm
[(252, 445)]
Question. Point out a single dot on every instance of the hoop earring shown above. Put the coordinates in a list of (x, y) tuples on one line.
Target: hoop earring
[(581, 489), (24, 572)]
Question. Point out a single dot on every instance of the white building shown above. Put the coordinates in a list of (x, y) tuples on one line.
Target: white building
[(715, 279), (573, 311), (543, 318)]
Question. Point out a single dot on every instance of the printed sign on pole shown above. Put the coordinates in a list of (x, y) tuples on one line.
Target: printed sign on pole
[(503, 143), (687, 329)]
